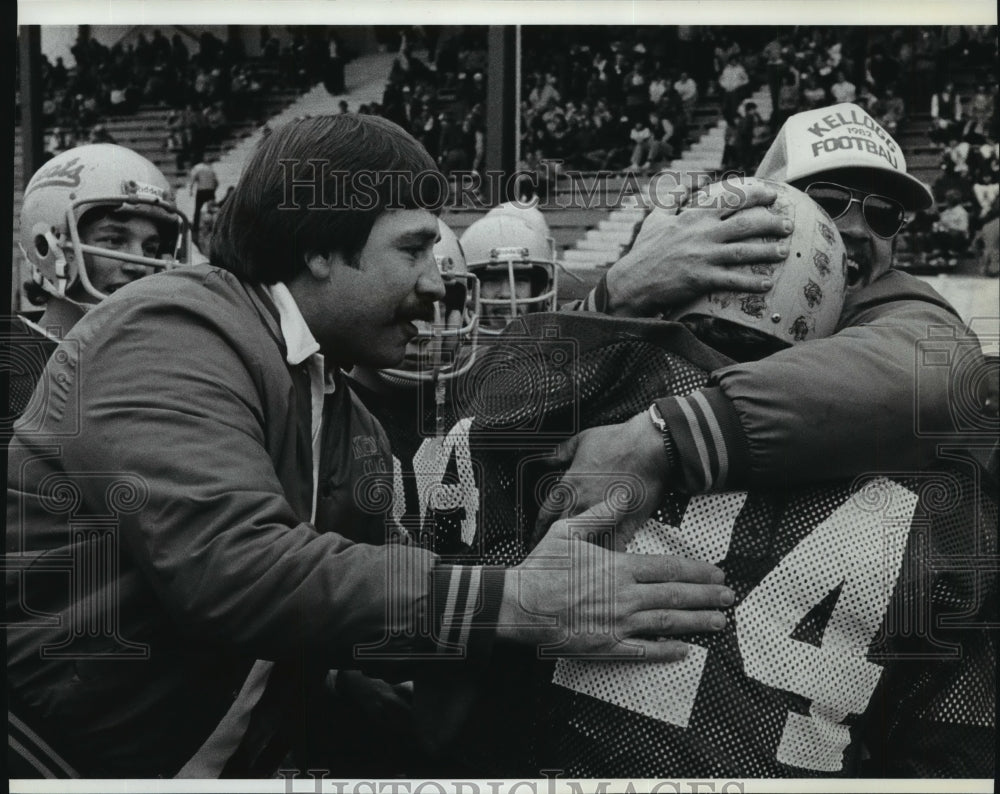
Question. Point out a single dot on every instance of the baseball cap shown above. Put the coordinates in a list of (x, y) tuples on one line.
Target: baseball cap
[(843, 143)]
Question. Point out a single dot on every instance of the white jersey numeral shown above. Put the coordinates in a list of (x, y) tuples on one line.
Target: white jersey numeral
[(430, 464), (858, 549)]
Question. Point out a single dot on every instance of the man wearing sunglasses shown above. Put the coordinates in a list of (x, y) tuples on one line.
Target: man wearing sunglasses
[(839, 406), (854, 170)]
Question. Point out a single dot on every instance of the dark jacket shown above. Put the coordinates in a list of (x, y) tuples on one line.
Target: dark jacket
[(158, 541)]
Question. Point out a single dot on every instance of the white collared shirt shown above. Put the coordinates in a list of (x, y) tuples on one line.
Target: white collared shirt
[(303, 347)]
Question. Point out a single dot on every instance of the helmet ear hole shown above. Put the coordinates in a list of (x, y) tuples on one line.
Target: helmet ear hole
[(41, 245)]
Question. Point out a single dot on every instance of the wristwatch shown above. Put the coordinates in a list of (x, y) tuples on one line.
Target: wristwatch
[(668, 440)]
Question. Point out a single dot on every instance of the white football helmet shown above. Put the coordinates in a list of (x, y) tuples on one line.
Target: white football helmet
[(447, 347), (809, 285), (531, 215), (68, 186), (514, 260)]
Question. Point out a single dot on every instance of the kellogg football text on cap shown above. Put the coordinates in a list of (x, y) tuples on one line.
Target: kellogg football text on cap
[(842, 138)]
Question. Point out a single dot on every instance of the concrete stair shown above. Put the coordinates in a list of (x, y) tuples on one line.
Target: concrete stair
[(365, 78), (602, 245)]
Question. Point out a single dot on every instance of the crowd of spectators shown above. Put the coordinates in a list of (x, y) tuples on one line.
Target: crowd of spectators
[(625, 98), (606, 99), (208, 83), (968, 185), (440, 101), (595, 98)]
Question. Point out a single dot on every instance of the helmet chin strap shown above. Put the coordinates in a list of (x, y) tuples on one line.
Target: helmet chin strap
[(59, 290)]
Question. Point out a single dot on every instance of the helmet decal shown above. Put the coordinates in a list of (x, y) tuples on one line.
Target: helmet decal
[(79, 180), (809, 285)]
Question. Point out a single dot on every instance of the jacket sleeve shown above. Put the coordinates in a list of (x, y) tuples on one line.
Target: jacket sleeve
[(865, 398), (184, 403)]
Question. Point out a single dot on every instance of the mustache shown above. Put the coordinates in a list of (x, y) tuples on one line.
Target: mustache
[(417, 310)]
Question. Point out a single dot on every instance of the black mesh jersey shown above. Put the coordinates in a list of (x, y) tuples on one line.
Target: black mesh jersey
[(26, 352), (435, 493), (859, 643)]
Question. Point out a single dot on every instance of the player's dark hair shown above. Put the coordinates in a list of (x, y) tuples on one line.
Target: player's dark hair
[(736, 341), (301, 193)]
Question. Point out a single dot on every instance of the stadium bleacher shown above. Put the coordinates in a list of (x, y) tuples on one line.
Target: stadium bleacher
[(591, 236)]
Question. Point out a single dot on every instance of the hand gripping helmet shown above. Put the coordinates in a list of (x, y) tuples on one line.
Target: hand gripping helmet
[(514, 260), (445, 348), (69, 185), (808, 293)]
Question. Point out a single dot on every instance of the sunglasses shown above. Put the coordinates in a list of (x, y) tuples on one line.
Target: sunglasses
[(884, 216)]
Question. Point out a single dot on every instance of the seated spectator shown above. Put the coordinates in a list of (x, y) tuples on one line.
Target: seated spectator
[(545, 94), (985, 189), (661, 148), (118, 99), (956, 156), (216, 122), (636, 94), (585, 153), (918, 233), (733, 82), (890, 110), (946, 114), (87, 111), (983, 159), (986, 244), (949, 180), (454, 156), (981, 115), (642, 140), (601, 140), (176, 143), (99, 134), (658, 86), (950, 236), (731, 156), (843, 90), (774, 62), (59, 140), (813, 94), (882, 69), (754, 135), (669, 133), (687, 90), (49, 108), (868, 99), (206, 225), (789, 98)]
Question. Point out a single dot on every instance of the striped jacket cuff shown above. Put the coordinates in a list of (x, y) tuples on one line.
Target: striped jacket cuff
[(466, 602), (712, 449)]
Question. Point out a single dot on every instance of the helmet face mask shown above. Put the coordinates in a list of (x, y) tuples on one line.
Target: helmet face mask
[(514, 259), (446, 347), (809, 285), (63, 197)]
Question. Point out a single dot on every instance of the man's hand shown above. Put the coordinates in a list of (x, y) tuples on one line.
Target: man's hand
[(574, 598), (678, 256), (629, 454), (379, 701)]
